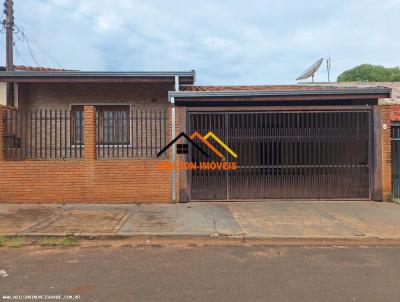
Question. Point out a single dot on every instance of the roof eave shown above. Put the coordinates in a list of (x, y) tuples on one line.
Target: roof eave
[(186, 77), (254, 93)]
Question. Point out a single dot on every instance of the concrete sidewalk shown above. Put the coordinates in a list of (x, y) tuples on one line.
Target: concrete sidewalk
[(257, 220)]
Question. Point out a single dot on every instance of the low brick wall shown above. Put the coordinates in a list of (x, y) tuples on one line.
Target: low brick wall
[(70, 181), (86, 180)]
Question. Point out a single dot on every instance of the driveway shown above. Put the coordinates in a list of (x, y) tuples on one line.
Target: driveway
[(318, 219)]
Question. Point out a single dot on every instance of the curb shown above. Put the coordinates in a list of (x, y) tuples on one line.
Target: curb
[(210, 239)]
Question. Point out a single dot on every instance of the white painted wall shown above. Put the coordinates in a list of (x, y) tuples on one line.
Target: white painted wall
[(3, 93)]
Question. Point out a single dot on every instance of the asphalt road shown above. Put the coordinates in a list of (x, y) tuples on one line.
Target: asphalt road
[(217, 273)]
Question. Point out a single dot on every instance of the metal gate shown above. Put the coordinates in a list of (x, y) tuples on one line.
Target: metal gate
[(396, 159), (285, 155)]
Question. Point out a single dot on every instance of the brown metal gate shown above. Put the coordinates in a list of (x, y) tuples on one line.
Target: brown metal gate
[(285, 155)]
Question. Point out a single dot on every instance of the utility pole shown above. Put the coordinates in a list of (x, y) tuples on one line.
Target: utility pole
[(9, 11), (9, 23)]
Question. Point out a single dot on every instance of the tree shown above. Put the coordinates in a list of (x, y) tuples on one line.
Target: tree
[(370, 73)]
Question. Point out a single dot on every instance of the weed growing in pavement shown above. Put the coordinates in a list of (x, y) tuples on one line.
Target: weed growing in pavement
[(69, 241), (49, 242), (16, 242)]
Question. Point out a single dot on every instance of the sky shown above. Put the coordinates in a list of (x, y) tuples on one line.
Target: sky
[(227, 42)]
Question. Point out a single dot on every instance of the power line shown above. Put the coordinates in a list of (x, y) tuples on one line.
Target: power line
[(36, 43), (19, 54), (31, 52), (20, 36)]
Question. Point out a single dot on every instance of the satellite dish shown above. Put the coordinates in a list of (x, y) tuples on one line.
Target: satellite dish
[(311, 70)]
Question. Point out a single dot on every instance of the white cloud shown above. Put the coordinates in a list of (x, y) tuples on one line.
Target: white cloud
[(226, 41)]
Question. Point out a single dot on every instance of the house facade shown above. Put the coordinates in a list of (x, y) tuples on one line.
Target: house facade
[(96, 137)]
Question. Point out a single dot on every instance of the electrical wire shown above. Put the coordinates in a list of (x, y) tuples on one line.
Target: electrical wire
[(23, 36), (18, 53), (30, 39), (31, 52)]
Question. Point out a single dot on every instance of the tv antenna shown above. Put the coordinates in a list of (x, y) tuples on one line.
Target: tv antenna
[(310, 72), (328, 68)]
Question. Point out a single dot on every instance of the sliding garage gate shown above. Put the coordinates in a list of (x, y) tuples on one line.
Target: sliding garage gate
[(284, 155)]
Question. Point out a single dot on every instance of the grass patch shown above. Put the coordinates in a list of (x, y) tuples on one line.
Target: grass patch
[(68, 241), (48, 242), (2, 241), (16, 242)]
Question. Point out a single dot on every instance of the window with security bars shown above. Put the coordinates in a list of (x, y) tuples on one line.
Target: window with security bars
[(112, 125), (77, 125)]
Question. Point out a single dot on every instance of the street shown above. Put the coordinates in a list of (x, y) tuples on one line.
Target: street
[(204, 273)]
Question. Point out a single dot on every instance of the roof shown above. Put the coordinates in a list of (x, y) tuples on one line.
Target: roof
[(185, 77), (395, 86), (192, 95), (276, 90), (32, 68), (271, 88)]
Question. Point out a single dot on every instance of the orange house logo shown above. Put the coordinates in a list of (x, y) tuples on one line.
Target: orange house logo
[(184, 149)]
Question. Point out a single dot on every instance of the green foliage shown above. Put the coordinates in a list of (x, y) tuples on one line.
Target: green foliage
[(68, 241), (48, 242), (370, 73), (16, 242), (390, 197), (2, 241)]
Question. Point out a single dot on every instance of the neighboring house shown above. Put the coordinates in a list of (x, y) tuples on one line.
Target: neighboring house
[(94, 137)]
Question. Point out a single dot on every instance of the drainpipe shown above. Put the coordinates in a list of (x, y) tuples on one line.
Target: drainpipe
[(173, 134)]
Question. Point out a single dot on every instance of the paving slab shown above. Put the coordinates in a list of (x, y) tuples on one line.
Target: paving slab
[(181, 219), (19, 218), (319, 219), (78, 221)]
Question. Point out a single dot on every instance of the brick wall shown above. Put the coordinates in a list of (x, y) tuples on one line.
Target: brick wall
[(386, 145), (88, 180), (63, 95), (395, 113)]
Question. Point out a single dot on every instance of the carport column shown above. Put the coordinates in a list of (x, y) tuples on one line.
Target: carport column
[(173, 151), (89, 150)]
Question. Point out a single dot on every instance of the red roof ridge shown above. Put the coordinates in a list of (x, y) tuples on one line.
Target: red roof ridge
[(32, 68)]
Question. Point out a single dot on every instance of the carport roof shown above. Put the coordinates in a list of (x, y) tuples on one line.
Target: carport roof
[(278, 90), (201, 94), (295, 88)]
